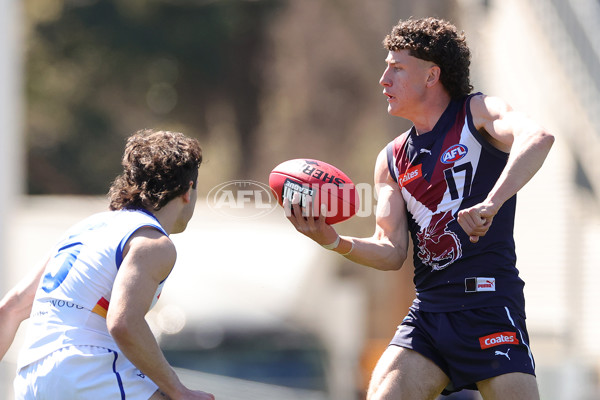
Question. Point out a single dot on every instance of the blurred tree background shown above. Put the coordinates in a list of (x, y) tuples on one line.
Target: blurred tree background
[(256, 81)]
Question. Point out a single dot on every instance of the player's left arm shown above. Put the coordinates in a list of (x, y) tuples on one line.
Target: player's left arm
[(150, 256), (527, 143)]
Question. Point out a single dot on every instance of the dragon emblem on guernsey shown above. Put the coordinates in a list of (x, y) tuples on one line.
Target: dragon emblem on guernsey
[(438, 247)]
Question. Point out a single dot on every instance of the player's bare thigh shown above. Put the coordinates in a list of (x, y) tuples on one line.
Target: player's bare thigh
[(513, 386), (403, 374)]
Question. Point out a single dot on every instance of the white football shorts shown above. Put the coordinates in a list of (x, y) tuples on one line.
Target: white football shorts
[(82, 372)]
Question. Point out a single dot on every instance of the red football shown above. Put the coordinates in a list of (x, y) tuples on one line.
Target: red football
[(323, 182)]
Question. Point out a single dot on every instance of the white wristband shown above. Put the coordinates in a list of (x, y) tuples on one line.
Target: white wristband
[(333, 245), (349, 251)]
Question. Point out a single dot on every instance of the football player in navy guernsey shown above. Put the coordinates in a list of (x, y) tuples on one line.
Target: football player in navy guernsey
[(87, 337), (451, 183)]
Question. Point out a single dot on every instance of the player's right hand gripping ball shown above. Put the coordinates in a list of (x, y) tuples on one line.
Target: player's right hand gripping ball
[(318, 180)]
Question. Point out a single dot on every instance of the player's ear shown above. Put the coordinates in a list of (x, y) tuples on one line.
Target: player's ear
[(434, 75), (187, 196)]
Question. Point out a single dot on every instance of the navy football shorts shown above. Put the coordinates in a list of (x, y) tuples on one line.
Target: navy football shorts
[(470, 345)]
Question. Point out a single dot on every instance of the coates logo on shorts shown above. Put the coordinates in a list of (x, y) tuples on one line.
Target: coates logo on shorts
[(497, 339), (243, 199), (454, 153)]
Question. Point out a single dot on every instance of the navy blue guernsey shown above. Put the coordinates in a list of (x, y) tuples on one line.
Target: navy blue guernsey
[(440, 172)]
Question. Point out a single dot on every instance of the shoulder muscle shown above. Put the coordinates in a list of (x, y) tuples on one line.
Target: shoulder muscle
[(151, 250), (492, 116)]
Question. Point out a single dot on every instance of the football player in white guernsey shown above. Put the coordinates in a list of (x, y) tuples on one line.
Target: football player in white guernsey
[(443, 182), (87, 337)]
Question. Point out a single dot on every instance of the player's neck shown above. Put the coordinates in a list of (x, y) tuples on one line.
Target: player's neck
[(166, 216), (431, 112)]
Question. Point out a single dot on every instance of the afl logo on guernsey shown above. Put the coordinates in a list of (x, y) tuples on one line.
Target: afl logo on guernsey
[(454, 153)]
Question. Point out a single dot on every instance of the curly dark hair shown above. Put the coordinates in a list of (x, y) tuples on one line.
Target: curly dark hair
[(157, 167), (435, 40)]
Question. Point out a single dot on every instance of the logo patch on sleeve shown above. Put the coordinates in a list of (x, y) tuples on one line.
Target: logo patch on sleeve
[(496, 339)]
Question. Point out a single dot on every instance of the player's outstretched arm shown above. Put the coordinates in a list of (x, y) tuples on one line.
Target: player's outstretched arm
[(528, 144), (149, 258), (386, 249), (15, 307)]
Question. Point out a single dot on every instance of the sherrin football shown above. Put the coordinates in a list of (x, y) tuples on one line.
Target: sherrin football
[(318, 180)]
